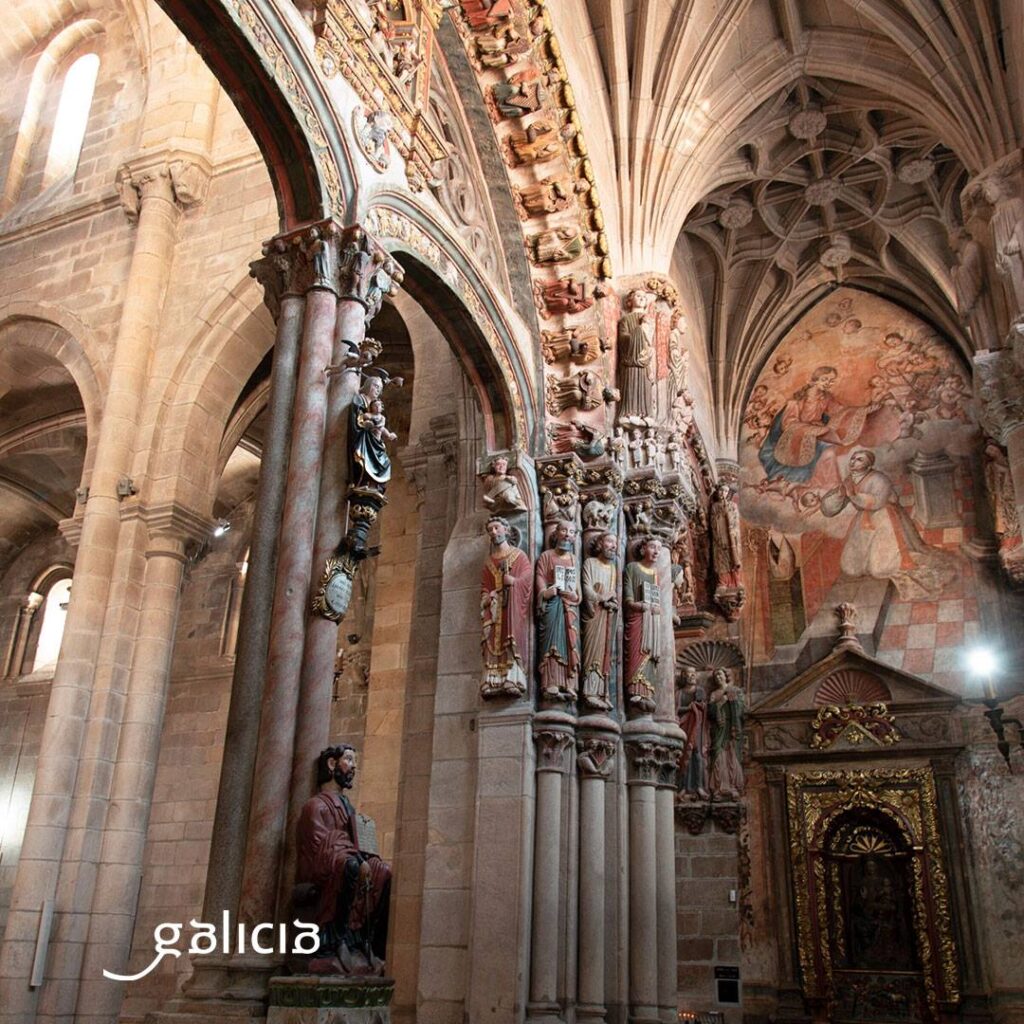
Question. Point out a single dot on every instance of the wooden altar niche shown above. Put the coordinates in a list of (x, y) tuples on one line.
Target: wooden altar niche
[(865, 914)]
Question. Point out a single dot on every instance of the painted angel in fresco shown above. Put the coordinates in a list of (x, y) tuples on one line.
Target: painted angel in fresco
[(800, 447)]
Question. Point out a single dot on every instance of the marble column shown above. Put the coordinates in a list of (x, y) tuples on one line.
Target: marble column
[(553, 733), (150, 199), (667, 756), (19, 638), (361, 292), (642, 764), (595, 758), (278, 273), (112, 920), (269, 807)]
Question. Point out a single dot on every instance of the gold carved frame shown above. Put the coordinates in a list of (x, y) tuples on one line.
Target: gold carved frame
[(906, 797)]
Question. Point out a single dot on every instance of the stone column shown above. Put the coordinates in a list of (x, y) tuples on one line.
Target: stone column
[(277, 272), (642, 762), (594, 759), (149, 197), (553, 733), (19, 638), (667, 756), (115, 901), (367, 273), (269, 808)]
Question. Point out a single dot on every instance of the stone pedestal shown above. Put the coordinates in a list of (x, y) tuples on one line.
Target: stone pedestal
[(329, 999)]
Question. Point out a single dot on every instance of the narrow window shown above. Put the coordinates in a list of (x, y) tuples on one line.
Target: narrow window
[(72, 119), (55, 613)]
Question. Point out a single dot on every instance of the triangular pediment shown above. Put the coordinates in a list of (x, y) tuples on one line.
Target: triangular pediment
[(851, 676)]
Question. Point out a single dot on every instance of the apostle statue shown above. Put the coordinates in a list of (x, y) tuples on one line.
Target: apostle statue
[(501, 491), (371, 464), (636, 357), (693, 720), (1002, 190), (600, 615), (973, 302), (725, 714), (339, 886), (506, 591), (641, 598), (725, 538), (558, 599)]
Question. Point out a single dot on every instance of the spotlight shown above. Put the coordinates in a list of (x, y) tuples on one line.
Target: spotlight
[(221, 528)]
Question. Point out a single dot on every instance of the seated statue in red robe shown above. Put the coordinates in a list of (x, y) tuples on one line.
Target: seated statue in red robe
[(340, 887)]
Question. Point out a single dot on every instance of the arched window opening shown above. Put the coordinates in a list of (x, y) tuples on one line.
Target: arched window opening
[(72, 119), (51, 632)]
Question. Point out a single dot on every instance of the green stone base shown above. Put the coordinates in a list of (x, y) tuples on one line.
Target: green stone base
[(329, 999)]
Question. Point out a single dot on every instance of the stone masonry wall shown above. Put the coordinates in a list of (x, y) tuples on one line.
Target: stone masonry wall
[(707, 874)]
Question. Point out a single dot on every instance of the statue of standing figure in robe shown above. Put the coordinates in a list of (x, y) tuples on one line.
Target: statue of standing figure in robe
[(600, 615), (558, 600), (641, 599), (506, 592), (636, 362), (725, 713)]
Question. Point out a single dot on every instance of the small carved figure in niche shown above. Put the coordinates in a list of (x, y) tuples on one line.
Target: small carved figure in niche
[(684, 596), (563, 297), (339, 886), (579, 390), (536, 144), (371, 130), (693, 720), (551, 195), (500, 46), (483, 13), (725, 538), (636, 357), (641, 598), (652, 449), (506, 598), (637, 449), (1002, 190), (559, 245), (578, 344), (576, 436), (522, 94), (559, 503), (725, 713), (501, 490), (674, 453), (599, 515), (380, 34), (600, 615), (617, 447), (407, 58), (371, 465), (971, 286), (558, 599)]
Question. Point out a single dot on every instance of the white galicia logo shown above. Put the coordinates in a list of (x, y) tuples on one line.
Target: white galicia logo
[(206, 939)]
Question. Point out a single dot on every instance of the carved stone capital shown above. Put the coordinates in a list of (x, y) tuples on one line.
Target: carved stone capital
[(366, 271), (999, 392), (179, 178), (595, 756), (553, 746), (295, 262), (643, 762), (667, 756), (71, 528), (170, 520)]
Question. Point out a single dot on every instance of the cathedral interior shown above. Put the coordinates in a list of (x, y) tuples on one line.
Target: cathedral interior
[(606, 417)]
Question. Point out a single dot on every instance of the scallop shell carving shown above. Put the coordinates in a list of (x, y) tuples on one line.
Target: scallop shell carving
[(707, 655), (850, 686)]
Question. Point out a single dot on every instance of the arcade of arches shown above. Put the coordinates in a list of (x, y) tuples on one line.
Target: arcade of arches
[(606, 416)]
